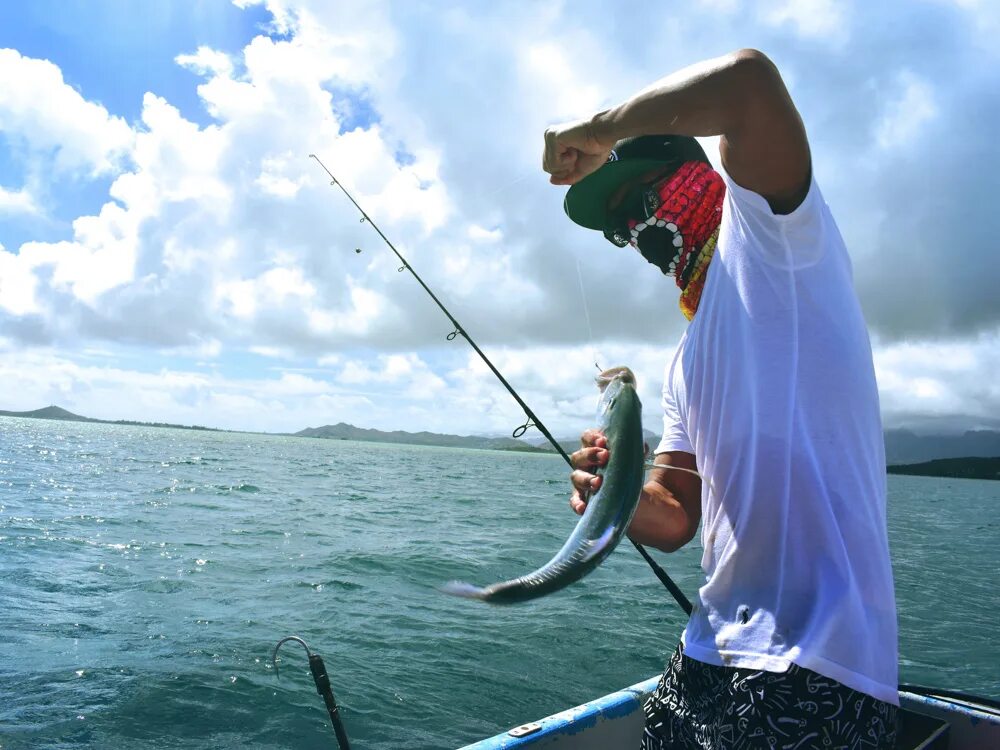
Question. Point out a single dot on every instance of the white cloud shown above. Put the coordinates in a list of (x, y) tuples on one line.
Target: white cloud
[(949, 381), (39, 109), (205, 221), (273, 178), (289, 401), (17, 285), (550, 68), (269, 351), (720, 6), (207, 61), (205, 350), (17, 202), (813, 19), (227, 238), (386, 391), (407, 373), (101, 257), (906, 114), (557, 382), (983, 18), (943, 384), (481, 234)]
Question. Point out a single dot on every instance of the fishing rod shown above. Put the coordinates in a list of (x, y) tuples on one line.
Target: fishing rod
[(322, 680), (532, 420)]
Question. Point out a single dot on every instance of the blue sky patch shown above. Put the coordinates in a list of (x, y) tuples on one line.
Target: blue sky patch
[(353, 108), (114, 52)]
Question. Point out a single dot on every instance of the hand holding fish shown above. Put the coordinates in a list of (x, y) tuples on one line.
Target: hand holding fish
[(592, 455), (606, 516)]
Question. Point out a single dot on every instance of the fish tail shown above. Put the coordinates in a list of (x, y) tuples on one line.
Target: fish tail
[(465, 590)]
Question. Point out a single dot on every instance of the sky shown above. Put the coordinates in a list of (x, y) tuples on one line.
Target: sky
[(169, 251)]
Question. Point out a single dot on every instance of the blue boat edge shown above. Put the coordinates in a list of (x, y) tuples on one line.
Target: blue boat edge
[(967, 722), (612, 710)]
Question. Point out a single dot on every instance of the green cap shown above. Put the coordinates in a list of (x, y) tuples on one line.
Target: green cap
[(587, 201)]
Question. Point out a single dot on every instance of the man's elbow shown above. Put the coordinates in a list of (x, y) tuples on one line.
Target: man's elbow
[(754, 61), (670, 532), (755, 70), (674, 540)]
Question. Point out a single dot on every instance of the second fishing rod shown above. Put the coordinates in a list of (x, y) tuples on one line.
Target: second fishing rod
[(532, 419)]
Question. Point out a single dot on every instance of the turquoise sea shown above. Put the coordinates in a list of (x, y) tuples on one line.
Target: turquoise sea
[(146, 574)]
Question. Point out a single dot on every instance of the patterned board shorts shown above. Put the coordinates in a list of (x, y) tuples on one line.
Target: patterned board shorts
[(698, 705)]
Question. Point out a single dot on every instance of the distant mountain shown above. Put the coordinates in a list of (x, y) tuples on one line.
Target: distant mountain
[(49, 412), (961, 468), (906, 447), (60, 414), (902, 447), (343, 431)]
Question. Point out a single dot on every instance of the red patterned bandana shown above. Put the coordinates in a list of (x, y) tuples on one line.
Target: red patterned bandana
[(680, 236)]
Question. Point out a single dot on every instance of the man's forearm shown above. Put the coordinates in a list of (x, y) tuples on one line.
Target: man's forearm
[(704, 99), (661, 520), (739, 96)]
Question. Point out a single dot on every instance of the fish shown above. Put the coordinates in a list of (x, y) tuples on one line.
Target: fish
[(609, 511)]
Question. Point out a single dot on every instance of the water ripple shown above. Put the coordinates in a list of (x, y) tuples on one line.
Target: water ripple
[(147, 574)]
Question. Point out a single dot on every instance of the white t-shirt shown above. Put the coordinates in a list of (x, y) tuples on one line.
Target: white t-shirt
[(772, 388)]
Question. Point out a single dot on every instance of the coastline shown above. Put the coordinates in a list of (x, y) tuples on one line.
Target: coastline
[(967, 467)]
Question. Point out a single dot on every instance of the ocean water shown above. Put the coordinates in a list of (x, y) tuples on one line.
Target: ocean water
[(146, 574)]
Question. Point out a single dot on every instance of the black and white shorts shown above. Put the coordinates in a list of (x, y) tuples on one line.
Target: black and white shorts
[(698, 705)]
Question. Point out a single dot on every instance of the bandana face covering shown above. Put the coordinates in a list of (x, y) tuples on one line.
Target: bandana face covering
[(680, 228)]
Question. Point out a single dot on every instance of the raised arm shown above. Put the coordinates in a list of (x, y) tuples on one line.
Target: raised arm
[(740, 97)]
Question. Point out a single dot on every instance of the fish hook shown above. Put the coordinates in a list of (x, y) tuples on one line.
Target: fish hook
[(274, 656)]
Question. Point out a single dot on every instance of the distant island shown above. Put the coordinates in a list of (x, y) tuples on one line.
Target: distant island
[(339, 431), (907, 447), (957, 468), (58, 413), (971, 455), (343, 431)]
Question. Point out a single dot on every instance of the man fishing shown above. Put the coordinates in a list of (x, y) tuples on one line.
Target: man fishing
[(770, 396)]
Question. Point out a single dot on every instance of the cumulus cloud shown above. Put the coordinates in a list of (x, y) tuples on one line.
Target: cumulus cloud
[(47, 117), (941, 384), (95, 388), (17, 202), (815, 19), (906, 114), (226, 237), (204, 220)]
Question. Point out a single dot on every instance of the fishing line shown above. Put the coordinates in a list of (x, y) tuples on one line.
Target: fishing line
[(513, 182), (706, 480), (532, 419), (586, 314)]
